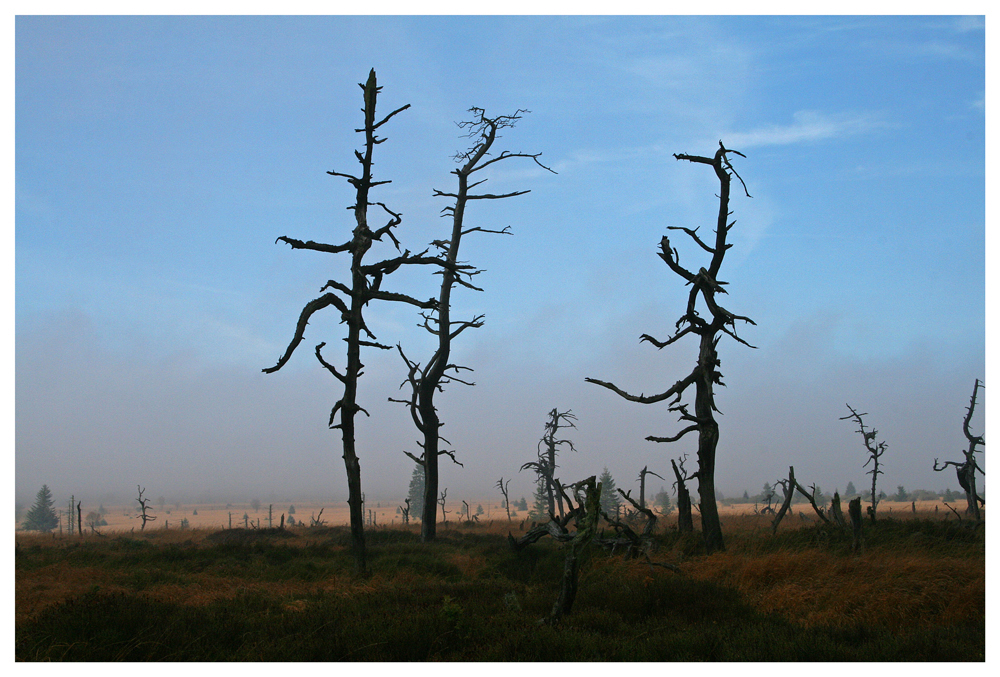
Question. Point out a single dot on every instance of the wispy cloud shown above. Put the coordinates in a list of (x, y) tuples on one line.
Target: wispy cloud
[(964, 24), (808, 126)]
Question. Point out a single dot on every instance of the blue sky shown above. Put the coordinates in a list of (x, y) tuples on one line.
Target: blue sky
[(158, 158)]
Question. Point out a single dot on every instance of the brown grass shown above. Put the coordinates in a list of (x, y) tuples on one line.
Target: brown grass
[(903, 587)]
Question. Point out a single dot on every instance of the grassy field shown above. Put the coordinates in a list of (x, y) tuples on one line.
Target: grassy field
[(916, 593)]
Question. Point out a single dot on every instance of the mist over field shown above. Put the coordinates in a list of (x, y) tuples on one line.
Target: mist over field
[(158, 158)]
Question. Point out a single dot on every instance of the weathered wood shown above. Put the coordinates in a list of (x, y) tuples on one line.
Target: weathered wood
[(838, 514), (705, 285), (854, 510), (365, 286), (584, 535), (685, 522), (789, 488)]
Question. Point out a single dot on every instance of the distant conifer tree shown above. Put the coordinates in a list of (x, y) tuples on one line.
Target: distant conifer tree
[(41, 517), (540, 507), (416, 492), (609, 494)]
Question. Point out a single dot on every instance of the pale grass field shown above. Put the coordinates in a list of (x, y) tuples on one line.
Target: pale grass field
[(219, 516)]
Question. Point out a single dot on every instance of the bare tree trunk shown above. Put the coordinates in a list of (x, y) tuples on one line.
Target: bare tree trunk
[(854, 510), (789, 488), (426, 382), (366, 286), (838, 514), (584, 535), (704, 285), (685, 523), (708, 441)]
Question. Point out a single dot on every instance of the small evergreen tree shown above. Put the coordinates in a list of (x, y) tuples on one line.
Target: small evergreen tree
[(662, 501), (540, 507), (746, 496), (609, 494), (766, 491), (416, 491), (522, 504), (901, 494), (850, 491), (291, 510), (41, 517)]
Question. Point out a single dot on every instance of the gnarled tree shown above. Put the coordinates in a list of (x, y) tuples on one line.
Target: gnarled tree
[(705, 285), (875, 450), (545, 466), (966, 470), (351, 299), (438, 371)]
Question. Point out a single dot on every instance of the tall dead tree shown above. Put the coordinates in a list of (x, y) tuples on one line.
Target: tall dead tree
[(438, 371), (875, 450), (642, 485), (546, 466), (502, 486), (144, 507), (966, 470), (350, 300), (705, 284)]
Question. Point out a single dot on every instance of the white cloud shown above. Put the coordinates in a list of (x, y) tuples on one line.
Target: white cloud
[(808, 126)]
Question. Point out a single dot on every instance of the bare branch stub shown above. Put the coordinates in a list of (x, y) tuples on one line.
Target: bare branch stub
[(706, 318)]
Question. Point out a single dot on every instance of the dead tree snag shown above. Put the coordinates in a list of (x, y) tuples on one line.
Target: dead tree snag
[(642, 485), (506, 497), (144, 506), (438, 371), (875, 450), (705, 284), (350, 300), (545, 466), (685, 523), (587, 527), (966, 470), (788, 487)]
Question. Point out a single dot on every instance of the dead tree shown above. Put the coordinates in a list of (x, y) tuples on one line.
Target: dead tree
[(545, 466), (405, 511), (350, 300), (788, 487), (875, 450), (144, 506), (642, 485), (685, 523), (838, 513), (966, 470), (854, 510), (590, 505), (439, 371), (625, 537), (705, 284), (506, 497), (811, 497), (441, 501)]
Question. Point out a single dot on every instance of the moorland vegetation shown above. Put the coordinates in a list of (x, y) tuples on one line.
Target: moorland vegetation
[(915, 592)]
